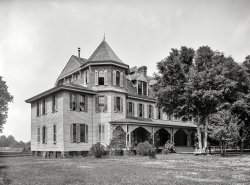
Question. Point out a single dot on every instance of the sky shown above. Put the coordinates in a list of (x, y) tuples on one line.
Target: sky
[(37, 38)]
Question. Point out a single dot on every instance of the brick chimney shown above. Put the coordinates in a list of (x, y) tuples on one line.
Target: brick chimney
[(79, 52), (143, 69)]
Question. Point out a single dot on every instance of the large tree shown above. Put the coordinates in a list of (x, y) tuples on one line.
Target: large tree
[(5, 98), (198, 85)]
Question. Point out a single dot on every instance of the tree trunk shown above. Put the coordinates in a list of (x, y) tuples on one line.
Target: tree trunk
[(205, 135), (199, 136)]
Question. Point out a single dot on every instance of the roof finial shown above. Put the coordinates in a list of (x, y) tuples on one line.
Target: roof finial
[(104, 37)]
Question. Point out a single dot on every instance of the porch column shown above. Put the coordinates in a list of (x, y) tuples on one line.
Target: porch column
[(172, 135)]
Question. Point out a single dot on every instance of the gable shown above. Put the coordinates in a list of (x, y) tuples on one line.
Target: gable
[(72, 65), (142, 77)]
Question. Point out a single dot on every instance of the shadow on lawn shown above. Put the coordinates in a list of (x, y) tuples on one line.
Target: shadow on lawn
[(4, 180)]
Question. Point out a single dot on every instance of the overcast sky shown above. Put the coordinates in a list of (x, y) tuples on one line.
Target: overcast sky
[(37, 39)]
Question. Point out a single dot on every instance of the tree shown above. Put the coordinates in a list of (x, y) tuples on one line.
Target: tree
[(225, 129), (198, 85), (5, 98)]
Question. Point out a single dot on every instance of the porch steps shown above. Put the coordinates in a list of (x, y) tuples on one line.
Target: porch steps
[(184, 149)]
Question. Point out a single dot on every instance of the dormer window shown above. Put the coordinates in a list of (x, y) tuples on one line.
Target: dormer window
[(142, 88), (101, 77), (118, 78)]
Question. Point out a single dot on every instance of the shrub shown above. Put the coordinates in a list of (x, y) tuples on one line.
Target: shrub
[(145, 149), (97, 150), (169, 146), (164, 151)]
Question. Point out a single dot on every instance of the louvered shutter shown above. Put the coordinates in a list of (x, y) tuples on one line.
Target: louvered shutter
[(148, 110), (105, 77), (46, 134), (121, 104), (71, 133), (86, 103), (133, 109), (114, 77), (96, 104), (121, 79), (38, 134), (56, 103), (127, 108), (115, 110), (143, 111), (86, 133), (77, 100), (152, 112), (87, 74), (138, 110), (77, 133), (84, 77), (105, 104), (96, 77)]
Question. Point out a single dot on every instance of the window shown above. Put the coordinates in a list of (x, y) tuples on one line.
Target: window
[(142, 88), (44, 107), (85, 77), (159, 113), (101, 77), (78, 133), (44, 134), (117, 78), (54, 103), (38, 135), (78, 102), (101, 132), (118, 104), (54, 134), (130, 108), (150, 111), (141, 110), (38, 109), (101, 103)]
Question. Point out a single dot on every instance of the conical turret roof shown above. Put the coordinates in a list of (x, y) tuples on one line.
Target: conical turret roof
[(104, 53)]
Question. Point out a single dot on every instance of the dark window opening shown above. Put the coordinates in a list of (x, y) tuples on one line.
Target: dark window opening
[(101, 77), (117, 78), (118, 104)]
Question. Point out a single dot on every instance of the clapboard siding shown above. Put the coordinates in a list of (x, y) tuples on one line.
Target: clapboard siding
[(48, 120), (70, 117)]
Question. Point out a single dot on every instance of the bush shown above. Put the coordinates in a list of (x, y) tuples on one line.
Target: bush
[(164, 151), (145, 149), (97, 150), (170, 146)]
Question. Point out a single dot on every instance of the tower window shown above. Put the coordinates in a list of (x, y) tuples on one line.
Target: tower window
[(101, 77), (118, 78)]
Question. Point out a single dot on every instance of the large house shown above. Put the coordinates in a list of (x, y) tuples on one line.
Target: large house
[(94, 97)]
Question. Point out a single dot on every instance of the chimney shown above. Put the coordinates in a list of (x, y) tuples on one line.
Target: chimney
[(79, 52), (143, 69)]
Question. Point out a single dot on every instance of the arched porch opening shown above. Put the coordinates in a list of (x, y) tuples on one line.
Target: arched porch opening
[(180, 138), (161, 136), (139, 135)]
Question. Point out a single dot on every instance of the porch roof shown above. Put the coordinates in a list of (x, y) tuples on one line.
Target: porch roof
[(146, 121)]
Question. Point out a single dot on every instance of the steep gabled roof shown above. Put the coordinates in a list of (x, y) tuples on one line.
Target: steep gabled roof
[(104, 53), (73, 64)]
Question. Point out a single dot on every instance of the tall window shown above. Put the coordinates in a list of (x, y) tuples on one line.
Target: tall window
[(150, 111), (54, 134), (78, 102), (54, 103), (101, 103), (38, 112), (44, 107), (78, 133), (101, 77), (159, 113), (139, 87), (72, 101), (118, 104), (130, 108), (141, 110), (142, 88), (118, 78), (81, 103), (44, 134)]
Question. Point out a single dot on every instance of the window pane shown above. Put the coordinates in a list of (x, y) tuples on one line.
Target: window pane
[(82, 133), (130, 107), (118, 104), (74, 132), (139, 87), (144, 88), (140, 110), (81, 102), (117, 78)]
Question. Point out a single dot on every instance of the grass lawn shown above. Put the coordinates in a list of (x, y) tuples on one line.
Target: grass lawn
[(166, 169)]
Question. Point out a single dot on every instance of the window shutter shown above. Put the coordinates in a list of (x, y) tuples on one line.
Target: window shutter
[(105, 77), (86, 133), (152, 112), (38, 134), (133, 109), (105, 104), (121, 79), (37, 108), (115, 104), (77, 100), (121, 104), (143, 110), (148, 110), (71, 133), (96, 104), (46, 134), (156, 112), (103, 133), (87, 74), (70, 101), (84, 77), (45, 106), (127, 107), (77, 133), (138, 110), (86, 103), (96, 77), (56, 103), (114, 77)]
